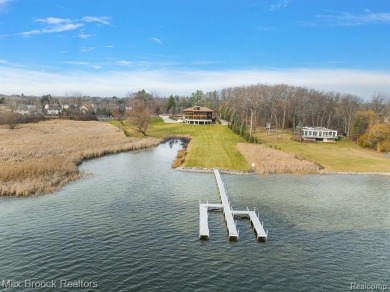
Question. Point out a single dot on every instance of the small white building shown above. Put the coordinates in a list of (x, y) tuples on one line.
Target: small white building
[(318, 134)]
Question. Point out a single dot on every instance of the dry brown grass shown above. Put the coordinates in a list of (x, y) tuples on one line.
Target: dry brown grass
[(268, 160), (39, 158), (179, 158)]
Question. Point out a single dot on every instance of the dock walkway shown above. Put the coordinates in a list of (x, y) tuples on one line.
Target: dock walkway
[(229, 214)]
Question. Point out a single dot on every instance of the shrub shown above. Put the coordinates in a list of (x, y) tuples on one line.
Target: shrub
[(9, 118), (384, 146)]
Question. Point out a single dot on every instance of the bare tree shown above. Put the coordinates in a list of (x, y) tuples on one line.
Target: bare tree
[(140, 116), (349, 105)]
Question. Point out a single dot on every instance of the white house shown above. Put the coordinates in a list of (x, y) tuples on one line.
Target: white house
[(318, 134)]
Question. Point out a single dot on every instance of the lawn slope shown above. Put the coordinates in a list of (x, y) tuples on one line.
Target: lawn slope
[(341, 156), (211, 145)]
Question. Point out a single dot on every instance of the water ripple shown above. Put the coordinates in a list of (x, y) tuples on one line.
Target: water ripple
[(133, 226)]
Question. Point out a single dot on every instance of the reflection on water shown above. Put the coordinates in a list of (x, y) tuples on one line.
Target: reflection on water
[(133, 226)]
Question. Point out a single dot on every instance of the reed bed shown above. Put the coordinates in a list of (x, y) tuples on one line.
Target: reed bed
[(271, 161), (39, 158), (179, 158)]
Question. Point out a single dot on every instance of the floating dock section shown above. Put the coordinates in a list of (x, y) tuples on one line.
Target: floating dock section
[(204, 232), (229, 214)]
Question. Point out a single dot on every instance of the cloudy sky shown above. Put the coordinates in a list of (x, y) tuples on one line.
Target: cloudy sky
[(112, 47)]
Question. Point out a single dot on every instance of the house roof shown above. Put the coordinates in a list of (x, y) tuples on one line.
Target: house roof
[(198, 109)]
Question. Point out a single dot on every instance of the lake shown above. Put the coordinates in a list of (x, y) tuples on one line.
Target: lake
[(133, 225)]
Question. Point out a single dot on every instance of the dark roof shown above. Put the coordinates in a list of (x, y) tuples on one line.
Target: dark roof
[(198, 109)]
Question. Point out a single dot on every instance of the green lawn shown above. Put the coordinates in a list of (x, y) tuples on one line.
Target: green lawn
[(210, 146), (341, 156)]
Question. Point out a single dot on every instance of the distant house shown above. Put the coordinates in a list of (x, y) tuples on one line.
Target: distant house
[(83, 109), (318, 134), (53, 109), (22, 112), (198, 115)]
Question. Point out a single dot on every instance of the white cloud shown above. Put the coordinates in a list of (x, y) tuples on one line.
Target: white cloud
[(56, 25), (102, 20), (361, 83), (83, 35), (85, 64), (63, 27), (156, 40), (124, 63), (78, 63), (279, 5), (53, 20), (96, 66), (52, 28), (87, 49), (350, 19)]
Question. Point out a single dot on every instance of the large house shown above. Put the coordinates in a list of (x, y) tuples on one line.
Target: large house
[(198, 115), (318, 134)]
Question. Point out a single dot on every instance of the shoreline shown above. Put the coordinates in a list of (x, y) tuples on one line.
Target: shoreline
[(41, 158), (237, 172), (79, 174), (50, 160), (358, 173)]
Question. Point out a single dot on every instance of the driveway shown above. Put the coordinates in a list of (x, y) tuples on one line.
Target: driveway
[(166, 119)]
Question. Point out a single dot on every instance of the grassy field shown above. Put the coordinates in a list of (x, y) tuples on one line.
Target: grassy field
[(211, 145), (342, 156), (38, 158)]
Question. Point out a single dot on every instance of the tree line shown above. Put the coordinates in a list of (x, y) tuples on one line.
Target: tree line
[(278, 107), (252, 108)]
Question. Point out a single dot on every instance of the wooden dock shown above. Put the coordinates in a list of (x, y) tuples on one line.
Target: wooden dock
[(229, 214)]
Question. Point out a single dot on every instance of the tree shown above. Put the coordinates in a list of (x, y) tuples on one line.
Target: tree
[(171, 103), (140, 116), (348, 107), (118, 115), (10, 118), (45, 99), (144, 97), (378, 106), (197, 98)]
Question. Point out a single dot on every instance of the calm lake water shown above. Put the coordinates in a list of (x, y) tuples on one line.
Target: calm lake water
[(132, 225)]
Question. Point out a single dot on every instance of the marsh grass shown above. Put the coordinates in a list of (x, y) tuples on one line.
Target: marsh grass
[(38, 158), (272, 161), (180, 157)]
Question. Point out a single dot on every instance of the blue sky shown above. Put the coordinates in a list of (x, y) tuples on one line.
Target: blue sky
[(112, 47)]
